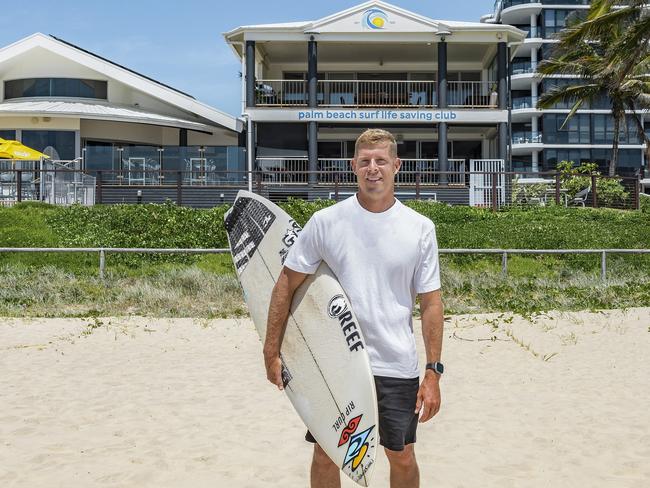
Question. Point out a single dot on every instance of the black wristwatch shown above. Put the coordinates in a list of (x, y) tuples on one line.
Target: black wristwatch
[(436, 367)]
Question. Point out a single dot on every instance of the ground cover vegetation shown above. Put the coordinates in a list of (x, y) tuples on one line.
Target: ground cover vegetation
[(50, 284)]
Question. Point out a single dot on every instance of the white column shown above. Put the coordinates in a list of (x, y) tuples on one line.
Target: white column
[(533, 25), (243, 80), (534, 92), (534, 126), (77, 144), (533, 59), (535, 167)]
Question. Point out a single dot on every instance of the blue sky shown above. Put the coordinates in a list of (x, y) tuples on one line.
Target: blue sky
[(180, 43)]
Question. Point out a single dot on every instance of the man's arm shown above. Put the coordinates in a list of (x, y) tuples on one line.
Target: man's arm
[(276, 323), (432, 326)]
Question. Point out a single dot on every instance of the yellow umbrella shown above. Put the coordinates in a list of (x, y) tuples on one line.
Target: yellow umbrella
[(16, 150)]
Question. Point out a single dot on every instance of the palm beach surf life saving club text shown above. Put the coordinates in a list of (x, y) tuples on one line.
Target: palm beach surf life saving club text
[(379, 114)]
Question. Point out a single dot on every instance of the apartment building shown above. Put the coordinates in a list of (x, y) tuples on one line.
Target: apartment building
[(540, 138)]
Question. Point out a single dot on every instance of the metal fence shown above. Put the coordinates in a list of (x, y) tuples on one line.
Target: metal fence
[(102, 251), (477, 182), (55, 182)]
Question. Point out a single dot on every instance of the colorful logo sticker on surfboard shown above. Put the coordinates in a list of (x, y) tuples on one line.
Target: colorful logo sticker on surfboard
[(358, 443)]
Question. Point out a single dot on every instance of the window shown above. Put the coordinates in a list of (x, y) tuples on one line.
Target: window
[(575, 131), (56, 87), (604, 130), (554, 156), (62, 142), (8, 134)]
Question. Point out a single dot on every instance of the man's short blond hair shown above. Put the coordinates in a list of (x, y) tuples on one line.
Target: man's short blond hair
[(375, 137)]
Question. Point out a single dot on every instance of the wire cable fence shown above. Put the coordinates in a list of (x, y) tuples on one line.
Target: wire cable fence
[(505, 253)]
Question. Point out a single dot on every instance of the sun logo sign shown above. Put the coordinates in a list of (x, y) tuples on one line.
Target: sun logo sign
[(374, 19)]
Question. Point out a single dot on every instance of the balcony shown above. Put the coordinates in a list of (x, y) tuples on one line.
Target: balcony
[(526, 137), (522, 67), (521, 103), (362, 93)]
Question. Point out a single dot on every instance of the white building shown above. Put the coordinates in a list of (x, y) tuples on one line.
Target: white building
[(440, 86), (61, 99)]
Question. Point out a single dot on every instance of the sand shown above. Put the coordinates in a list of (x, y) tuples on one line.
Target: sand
[(557, 400)]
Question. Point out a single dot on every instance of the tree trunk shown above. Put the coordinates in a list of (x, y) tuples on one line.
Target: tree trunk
[(614, 161)]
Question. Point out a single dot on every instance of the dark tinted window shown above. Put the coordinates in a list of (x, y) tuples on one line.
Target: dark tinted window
[(8, 134), (56, 87)]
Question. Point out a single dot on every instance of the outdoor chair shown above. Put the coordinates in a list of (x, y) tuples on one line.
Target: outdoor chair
[(581, 197)]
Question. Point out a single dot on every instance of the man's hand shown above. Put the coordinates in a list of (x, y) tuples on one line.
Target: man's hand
[(273, 366), (281, 297), (428, 396)]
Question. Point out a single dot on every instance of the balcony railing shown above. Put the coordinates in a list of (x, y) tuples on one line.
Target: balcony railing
[(472, 94), (375, 93), (338, 171), (526, 138), (524, 102), (521, 68)]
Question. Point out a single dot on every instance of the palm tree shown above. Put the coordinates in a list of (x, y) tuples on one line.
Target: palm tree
[(608, 54)]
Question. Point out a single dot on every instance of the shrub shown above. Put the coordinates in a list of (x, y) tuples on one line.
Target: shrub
[(574, 179)]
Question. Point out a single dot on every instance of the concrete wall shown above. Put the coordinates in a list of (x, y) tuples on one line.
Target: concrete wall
[(151, 134)]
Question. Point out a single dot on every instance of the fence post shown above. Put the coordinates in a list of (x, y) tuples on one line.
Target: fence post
[(98, 197), (102, 263), (417, 185), (603, 266), (336, 186), (594, 192), (19, 185), (557, 189), (504, 264), (494, 192), (258, 182), (179, 188)]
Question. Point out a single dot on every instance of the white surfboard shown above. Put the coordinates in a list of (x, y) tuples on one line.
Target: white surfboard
[(326, 370)]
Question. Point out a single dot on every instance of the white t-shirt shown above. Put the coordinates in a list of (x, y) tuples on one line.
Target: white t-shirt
[(382, 260)]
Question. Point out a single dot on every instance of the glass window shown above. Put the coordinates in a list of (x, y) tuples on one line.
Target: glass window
[(8, 134), (56, 87), (57, 143)]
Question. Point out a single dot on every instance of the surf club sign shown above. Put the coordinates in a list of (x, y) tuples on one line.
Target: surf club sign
[(376, 115)]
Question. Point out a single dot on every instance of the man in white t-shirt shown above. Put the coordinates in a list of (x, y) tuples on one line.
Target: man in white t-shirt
[(384, 255)]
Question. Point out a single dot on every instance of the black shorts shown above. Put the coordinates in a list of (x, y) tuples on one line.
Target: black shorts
[(396, 399)]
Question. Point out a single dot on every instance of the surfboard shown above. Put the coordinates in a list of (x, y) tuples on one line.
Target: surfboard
[(325, 366)]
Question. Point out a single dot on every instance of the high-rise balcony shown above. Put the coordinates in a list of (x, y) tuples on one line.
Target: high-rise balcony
[(526, 137)]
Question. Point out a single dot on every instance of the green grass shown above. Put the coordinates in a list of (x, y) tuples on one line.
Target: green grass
[(205, 285)]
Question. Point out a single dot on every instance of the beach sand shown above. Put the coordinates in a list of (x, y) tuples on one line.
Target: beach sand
[(555, 400)]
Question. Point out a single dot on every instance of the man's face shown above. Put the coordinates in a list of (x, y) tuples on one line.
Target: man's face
[(376, 168)]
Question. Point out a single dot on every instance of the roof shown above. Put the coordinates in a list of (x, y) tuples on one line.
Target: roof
[(120, 66), (97, 111), (317, 26), (207, 114)]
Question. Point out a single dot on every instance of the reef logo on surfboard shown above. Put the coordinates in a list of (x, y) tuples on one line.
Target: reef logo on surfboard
[(374, 19)]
